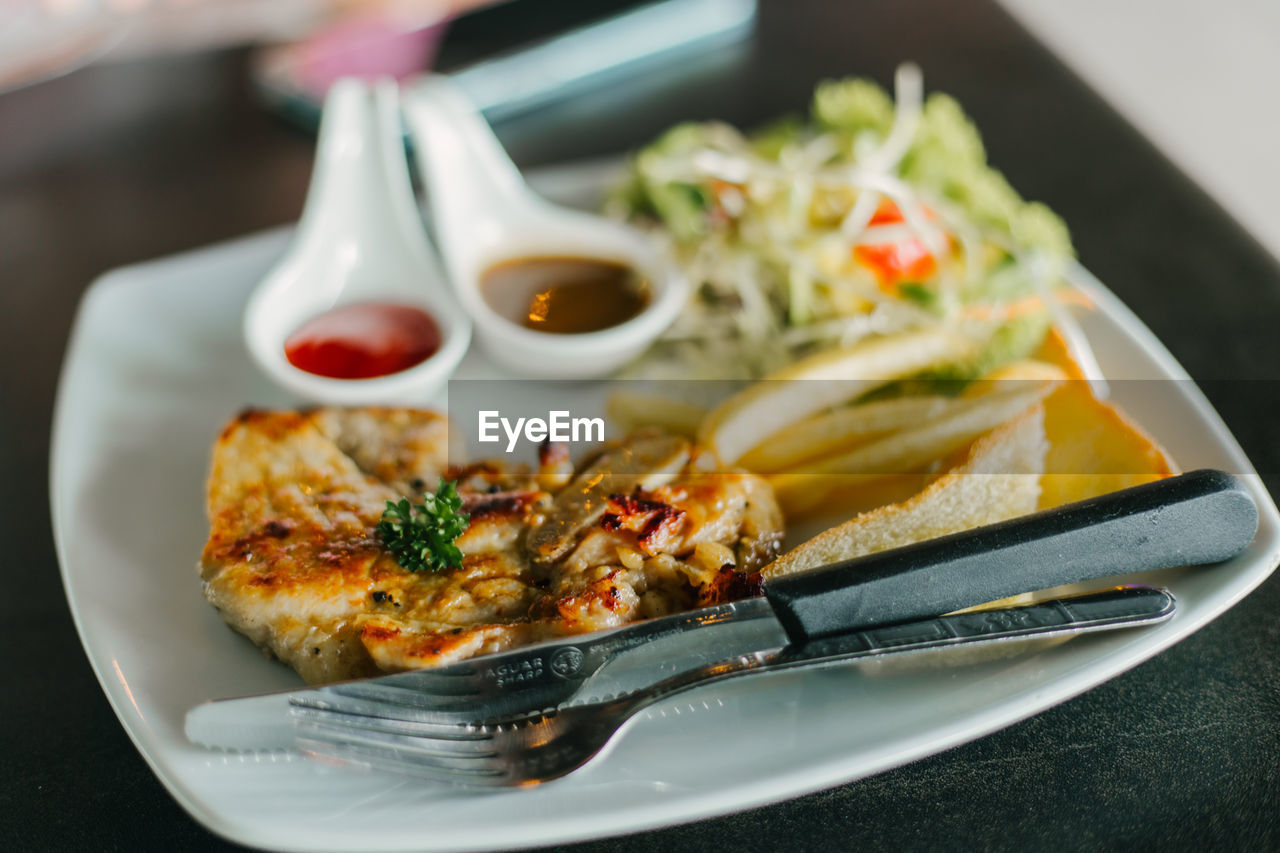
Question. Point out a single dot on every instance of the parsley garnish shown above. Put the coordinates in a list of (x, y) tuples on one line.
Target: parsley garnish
[(421, 536)]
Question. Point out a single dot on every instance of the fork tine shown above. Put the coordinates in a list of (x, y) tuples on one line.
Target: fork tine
[(384, 758), (470, 756), (474, 742), (508, 755), (376, 721), (452, 713)]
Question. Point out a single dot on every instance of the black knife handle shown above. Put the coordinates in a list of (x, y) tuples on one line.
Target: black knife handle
[(1201, 517)]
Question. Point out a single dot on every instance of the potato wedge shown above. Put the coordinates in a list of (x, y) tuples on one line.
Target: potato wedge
[(910, 449), (907, 450), (830, 432), (828, 379), (997, 479)]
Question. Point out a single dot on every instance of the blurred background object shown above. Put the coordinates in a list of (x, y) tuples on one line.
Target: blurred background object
[(40, 39), (311, 43), (44, 38), (293, 78)]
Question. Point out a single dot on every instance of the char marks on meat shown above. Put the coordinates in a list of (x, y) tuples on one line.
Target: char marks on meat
[(293, 559)]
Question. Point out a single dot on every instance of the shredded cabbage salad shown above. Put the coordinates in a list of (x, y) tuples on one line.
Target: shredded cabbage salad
[(875, 215)]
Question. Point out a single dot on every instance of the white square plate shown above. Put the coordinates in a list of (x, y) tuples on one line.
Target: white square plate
[(156, 366)]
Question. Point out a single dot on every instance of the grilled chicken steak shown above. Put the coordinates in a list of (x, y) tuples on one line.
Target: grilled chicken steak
[(294, 562)]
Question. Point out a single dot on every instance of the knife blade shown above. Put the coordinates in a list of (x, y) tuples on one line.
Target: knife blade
[(1197, 518)]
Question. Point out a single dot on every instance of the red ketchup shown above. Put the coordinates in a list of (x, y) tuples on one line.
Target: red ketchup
[(363, 340)]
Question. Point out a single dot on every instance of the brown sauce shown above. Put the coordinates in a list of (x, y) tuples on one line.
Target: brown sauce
[(564, 295)]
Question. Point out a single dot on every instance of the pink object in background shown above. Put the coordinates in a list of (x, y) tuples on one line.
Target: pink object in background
[(327, 39), (367, 45)]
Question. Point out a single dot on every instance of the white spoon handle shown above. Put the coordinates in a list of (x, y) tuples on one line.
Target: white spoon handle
[(360, 166), (473, 187)]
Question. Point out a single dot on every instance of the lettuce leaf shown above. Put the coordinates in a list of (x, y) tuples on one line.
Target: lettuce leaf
[(853, 106)]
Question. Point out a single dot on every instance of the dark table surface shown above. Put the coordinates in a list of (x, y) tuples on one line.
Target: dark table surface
[(127, 162)]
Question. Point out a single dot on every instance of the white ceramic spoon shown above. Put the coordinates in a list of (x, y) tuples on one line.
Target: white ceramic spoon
[(483, 214), (360, 240)]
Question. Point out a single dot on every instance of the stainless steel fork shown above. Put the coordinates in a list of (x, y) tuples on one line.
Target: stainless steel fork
[(548, 745)]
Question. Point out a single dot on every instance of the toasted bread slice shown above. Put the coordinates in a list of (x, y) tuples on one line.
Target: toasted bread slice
[(813, 384)]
